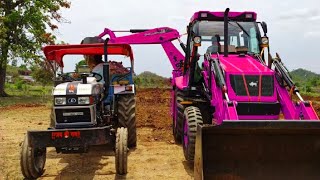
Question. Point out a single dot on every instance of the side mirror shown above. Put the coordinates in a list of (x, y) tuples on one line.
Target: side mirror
[(264, 27)]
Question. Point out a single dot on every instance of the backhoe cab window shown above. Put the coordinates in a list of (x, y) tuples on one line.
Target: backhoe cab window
[(243, 34)]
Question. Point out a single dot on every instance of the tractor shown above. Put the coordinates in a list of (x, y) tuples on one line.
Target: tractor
[(232, 102), (85, 111)]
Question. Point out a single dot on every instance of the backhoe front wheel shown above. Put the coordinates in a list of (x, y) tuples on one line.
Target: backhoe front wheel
[(121, 151), (177, 124), (192, 117), (32, 160)]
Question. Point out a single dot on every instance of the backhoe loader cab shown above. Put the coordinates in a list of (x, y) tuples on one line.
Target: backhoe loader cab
[(243, 31)]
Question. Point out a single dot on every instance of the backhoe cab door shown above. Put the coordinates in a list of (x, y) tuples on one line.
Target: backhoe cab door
[(258, 150)]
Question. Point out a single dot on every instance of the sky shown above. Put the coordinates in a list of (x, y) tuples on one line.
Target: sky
[(293, 26)]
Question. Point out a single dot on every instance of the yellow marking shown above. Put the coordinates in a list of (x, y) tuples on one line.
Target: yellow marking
[(186, 102)]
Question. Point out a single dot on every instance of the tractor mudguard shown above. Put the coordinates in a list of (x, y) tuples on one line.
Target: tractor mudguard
[(280, 149)]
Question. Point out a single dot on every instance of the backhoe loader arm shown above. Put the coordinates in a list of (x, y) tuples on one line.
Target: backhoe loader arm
[(163, 36)]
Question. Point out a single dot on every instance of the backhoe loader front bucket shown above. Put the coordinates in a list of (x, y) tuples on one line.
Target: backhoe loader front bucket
[(281, 149)]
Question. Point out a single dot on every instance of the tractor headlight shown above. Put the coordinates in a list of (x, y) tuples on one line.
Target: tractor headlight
[(60, 101), (83, 100), (128, 88)]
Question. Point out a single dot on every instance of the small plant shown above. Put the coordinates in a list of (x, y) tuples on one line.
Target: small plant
[(18, 84)]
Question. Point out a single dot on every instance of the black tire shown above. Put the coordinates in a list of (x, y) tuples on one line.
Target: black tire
[(177, 126), (32, 160), (127, 117), (121, 151), (192, 117)]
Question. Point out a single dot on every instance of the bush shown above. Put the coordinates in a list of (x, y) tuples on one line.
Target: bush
[(308, 89), (18, 84)]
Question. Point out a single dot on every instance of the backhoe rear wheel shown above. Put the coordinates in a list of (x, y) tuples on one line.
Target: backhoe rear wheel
[(127, 117), (178, 122), (121, 151), (192, 117), (32, 160)]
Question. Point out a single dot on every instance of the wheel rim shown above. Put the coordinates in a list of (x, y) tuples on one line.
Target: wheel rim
[(39, 158), (185, 134)]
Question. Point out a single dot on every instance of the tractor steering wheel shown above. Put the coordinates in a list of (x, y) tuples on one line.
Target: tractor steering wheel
[(68, 76), (97, 76)]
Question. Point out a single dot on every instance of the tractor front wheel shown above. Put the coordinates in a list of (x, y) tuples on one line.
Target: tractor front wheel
[(121, 151), (32, 160), (127, 117), (192, 117)]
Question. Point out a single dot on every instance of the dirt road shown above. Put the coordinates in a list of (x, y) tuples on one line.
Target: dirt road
[(156, 156)]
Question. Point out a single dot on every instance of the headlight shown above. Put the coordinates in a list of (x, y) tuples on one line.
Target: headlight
[(265, 40), (60, 100), (197, 39), (83, 100), (128, 88)]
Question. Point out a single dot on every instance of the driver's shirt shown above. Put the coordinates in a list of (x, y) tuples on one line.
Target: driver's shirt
[(99, 70), (212, 49)]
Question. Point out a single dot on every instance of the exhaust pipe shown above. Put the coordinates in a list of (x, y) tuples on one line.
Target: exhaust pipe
[(106, 69), (226, 39)]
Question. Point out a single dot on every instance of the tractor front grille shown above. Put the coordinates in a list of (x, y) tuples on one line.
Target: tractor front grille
[(78, 115), (251, 83)]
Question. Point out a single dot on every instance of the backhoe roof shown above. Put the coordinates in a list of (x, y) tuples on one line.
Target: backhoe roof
[(56, 52), (219, 16)]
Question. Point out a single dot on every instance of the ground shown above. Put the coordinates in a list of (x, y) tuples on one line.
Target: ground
[(156, 156)]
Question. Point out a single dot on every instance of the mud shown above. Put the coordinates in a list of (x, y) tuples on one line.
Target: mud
[(156, 156)]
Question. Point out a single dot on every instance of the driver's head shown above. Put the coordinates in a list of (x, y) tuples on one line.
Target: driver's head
[(215, 40), (92, 60)]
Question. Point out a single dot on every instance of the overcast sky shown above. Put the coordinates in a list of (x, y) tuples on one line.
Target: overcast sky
[(293, 26)]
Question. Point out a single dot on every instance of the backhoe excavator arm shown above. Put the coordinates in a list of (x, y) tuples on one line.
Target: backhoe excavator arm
[(163, 36)]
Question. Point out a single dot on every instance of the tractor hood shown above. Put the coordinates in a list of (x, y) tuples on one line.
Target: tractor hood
[(78, 88), (235, 64)]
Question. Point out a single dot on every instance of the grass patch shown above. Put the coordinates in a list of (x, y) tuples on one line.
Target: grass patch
[(26, 94)]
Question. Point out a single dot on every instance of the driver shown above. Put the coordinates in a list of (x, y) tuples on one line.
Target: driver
[(214, 48), (95, 64)]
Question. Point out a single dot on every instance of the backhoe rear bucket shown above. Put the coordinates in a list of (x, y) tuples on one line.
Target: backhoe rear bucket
[(281, 149)]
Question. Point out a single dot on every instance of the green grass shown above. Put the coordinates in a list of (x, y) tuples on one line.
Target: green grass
[(26, 94)]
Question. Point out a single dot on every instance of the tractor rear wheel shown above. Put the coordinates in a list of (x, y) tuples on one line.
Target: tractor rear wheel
[(127, 117), (177, 125), (121, 151), (192, 117), (32, 160)]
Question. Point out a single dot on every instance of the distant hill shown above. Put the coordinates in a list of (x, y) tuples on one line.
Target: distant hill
[(306, 80), (303, 75), (149, 79)]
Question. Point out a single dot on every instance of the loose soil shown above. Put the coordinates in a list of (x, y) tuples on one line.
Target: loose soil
[(156, 156)]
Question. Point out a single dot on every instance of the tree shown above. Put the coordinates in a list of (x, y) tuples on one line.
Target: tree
[(26, 26), (43, 73), (80, 63)]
